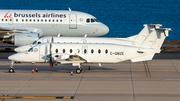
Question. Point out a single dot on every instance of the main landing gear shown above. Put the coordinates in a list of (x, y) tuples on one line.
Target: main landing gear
[(79, 69), (11, 70)]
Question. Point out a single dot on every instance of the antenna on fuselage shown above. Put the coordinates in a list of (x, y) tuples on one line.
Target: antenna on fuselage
[(69, 9), (85, 35)]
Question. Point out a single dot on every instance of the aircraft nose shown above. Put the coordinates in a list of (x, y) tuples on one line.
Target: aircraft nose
[(104, 29), (11, 57)]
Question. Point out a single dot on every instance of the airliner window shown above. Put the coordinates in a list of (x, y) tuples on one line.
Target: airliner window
[(45, 20), (34, 42), (41, 20), (16, 20), (92, 20), (34, 20), (22, 20), (53, 20), (6, 19), (87, 20), (30, 50), (56, 50), (85, 51), (106, 51), (35, 49), (39, 42), (49, 20), (60, 20), (92, 51), (26, 20), (30, 20), (96, 20), (37, 20), (99, 51), (2, 19), (63, 50), (70, 50), (56, 20)]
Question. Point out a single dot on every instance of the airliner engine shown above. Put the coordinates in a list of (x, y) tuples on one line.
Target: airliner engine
[(20, 39)]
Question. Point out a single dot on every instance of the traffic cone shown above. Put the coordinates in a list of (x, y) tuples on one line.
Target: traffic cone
[(32, 71), (89, 68), (71, 73), (36, 69)]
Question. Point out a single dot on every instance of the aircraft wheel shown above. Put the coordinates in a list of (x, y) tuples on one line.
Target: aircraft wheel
[(78, 70), (11, 70)]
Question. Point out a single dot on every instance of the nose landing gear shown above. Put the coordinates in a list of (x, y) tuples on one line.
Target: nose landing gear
[(11, 70), (79, 69)]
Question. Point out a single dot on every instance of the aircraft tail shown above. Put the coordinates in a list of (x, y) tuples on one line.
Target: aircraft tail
[(151, 44), (138, 39)]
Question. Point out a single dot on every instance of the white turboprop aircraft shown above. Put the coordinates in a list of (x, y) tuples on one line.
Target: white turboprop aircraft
[(20, 27), (79, 53), (133, 40)]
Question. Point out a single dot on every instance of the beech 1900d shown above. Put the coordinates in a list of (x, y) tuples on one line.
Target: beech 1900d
[(133, 40), (79, 53), (20, 27)]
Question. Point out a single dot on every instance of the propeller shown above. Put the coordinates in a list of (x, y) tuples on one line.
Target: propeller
[(50, 56)]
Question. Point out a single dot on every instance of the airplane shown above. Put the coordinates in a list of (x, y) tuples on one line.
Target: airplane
[(79, 53), (21, 27), (133, 40)]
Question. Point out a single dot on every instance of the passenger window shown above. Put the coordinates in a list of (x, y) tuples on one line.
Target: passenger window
[(92, 51), (6, 19), (30, 20), (2, 19), (106, 51), (37, 20), (64, 51), (53, 20), (70, 50), (16, 20), (56, 50), (99, 51), (56, 20), (45, 20), (60, 20), (49, 20), (34, 20), (22, 20), (87, 20), (26, 20), (85, 51), (35, 49), (41, 20)]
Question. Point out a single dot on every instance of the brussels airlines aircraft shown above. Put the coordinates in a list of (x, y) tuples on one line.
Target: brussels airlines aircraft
[(26, 26), (133, 40), (79, 53)]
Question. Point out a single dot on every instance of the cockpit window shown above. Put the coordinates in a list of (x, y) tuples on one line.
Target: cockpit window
[(96, 20), (30, 50), (92, 20), (88, 20), (39, 42), (34, 42)]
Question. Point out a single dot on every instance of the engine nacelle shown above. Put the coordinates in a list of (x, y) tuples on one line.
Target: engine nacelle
[(20, 39)]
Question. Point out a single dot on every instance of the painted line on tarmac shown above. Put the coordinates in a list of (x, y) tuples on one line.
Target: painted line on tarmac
[(36, 97), (147, 69)]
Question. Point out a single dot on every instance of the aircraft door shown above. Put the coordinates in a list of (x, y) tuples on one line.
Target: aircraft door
[(10, 20), (72, 21), (43, 52)]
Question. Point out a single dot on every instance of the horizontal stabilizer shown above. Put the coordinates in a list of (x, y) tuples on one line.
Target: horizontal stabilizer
[(143, 58)]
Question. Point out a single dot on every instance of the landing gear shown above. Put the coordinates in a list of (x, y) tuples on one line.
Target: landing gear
[(79, 70), (11, 70)]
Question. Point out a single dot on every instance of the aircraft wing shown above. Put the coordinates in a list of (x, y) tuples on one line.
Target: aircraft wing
[(64, 58)]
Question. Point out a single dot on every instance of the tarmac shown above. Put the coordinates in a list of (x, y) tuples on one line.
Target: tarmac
[(156, 80)]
